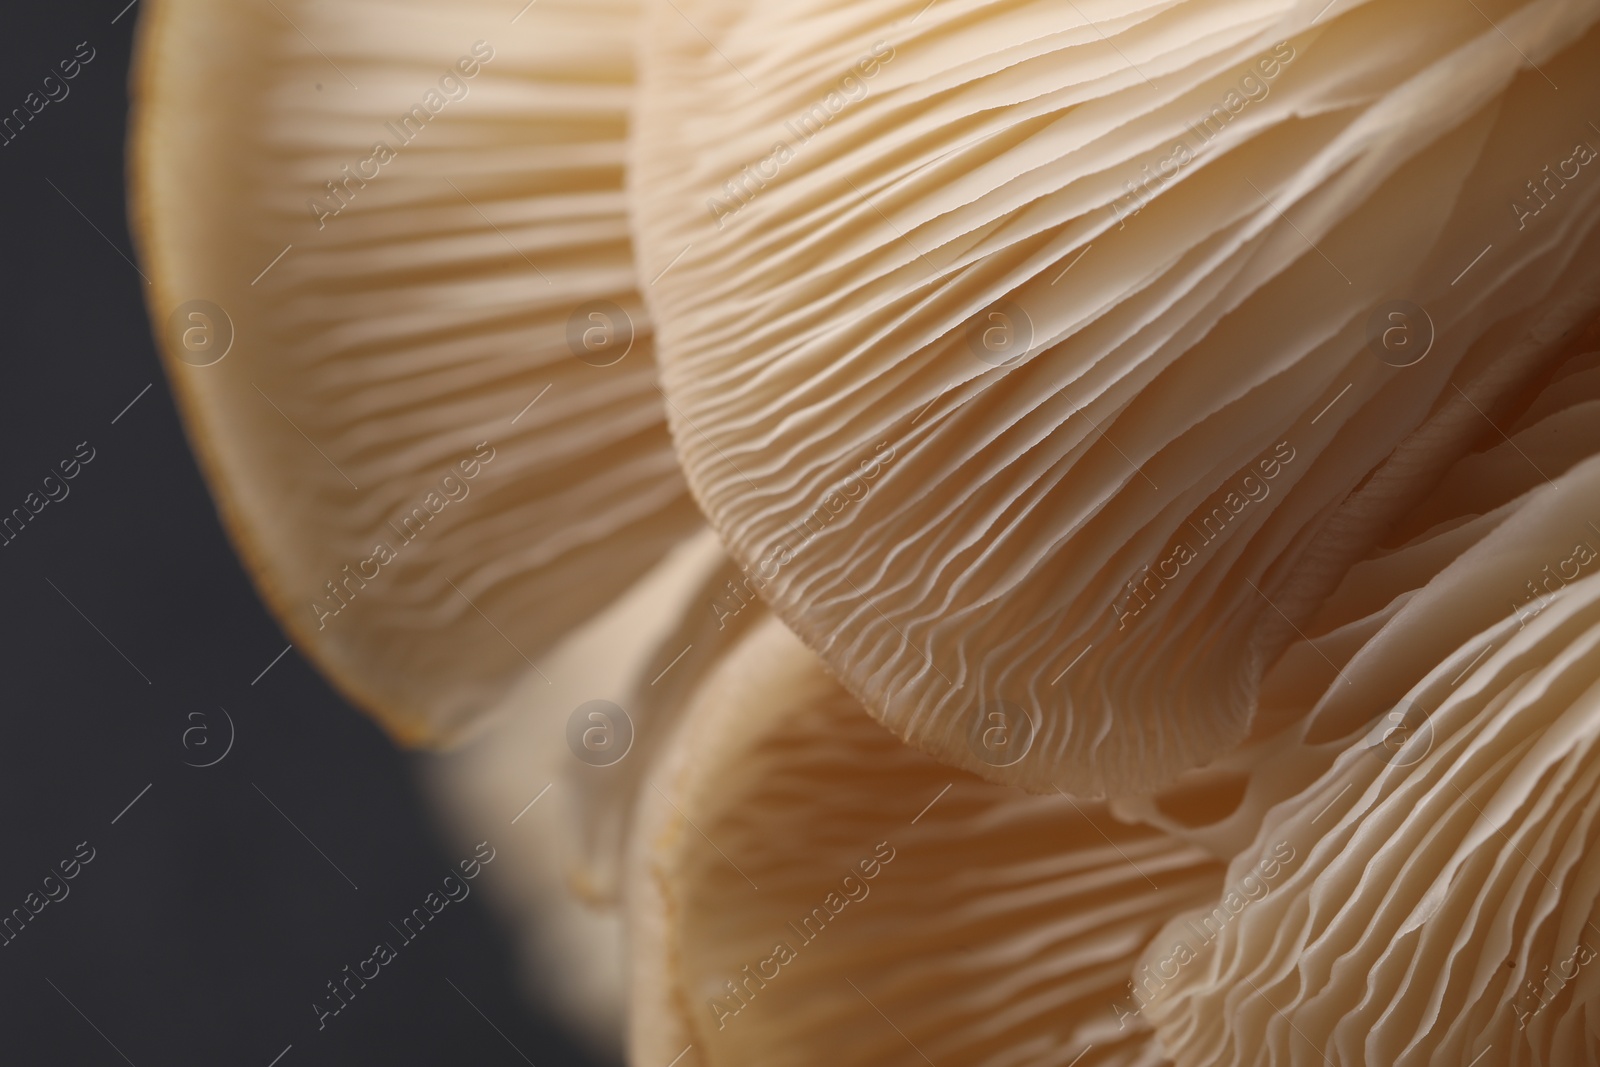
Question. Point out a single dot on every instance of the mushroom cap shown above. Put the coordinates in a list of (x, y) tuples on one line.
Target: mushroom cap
[(1393, 616), (402, 325), (869, 905), (1028, 389), (1445, 863)]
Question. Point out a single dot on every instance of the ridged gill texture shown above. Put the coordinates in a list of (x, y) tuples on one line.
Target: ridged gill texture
[(1442, 794), (1045, 360), (436, 435), (1397, 614), (811, 890)]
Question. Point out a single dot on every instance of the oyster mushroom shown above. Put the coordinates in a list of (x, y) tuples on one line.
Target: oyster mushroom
[(436, 437), (1434, 896), (394, 289), (1443, 895), (808, 889), (1395, 615), (958, 464), (1113, 290)]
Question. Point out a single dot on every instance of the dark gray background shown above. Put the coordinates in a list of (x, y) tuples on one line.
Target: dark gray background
[(206, 924)]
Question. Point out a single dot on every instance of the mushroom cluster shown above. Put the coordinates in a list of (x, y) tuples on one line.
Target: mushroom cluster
[(1013, 533)]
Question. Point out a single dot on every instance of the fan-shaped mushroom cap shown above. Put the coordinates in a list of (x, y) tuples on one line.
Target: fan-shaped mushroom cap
[(1043, 356), (1439, 905), (1393, 616), (809, 890), (435, 436)]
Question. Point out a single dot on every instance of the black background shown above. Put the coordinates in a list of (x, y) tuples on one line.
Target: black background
[(206, 925)]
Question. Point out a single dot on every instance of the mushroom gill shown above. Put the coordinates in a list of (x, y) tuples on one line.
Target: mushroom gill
[(394, 287), (1395, 614), (1443, 899), (808, 889), (1059, 361), (1177, 403)]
